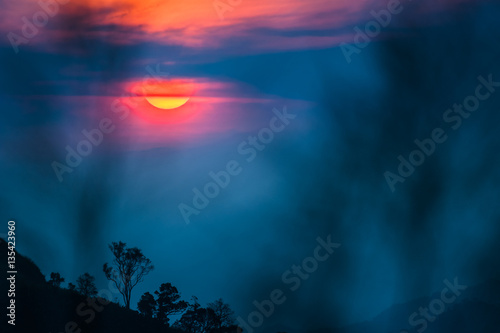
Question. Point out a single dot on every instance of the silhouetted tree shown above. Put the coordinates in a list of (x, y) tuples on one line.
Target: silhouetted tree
[(169, 303), (86, 286), (197, 319), (188, 322), (194, 303), (71, 286), (128, 269), (55, 279), (147, 305), (223, 313), (207, 320)]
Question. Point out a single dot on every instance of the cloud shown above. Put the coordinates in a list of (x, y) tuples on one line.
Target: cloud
[(198, 24)]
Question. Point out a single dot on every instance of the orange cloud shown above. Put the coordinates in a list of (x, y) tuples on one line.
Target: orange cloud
[(204, 23)]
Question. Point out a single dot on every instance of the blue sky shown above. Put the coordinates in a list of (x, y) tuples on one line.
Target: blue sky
[(323, 174)]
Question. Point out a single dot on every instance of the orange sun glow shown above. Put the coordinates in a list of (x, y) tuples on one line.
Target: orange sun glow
[(161, 100)]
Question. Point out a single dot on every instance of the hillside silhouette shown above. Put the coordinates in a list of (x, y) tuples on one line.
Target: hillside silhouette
[(41, 307)]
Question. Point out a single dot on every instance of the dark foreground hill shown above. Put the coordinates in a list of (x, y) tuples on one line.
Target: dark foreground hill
[(43, 308)]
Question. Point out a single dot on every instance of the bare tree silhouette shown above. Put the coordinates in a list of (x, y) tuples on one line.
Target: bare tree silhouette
[(86, 286), (223, 313), (128, 269), (169, 303), (55, 279)]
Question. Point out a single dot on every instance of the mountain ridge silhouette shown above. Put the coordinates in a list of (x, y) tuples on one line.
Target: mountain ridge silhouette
[(41, 307)]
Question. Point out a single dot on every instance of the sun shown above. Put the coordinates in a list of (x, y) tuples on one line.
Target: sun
[(159, 100), (167, 94), (167, 103)]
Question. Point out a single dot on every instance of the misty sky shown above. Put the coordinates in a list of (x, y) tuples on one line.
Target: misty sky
[(322, 174)]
